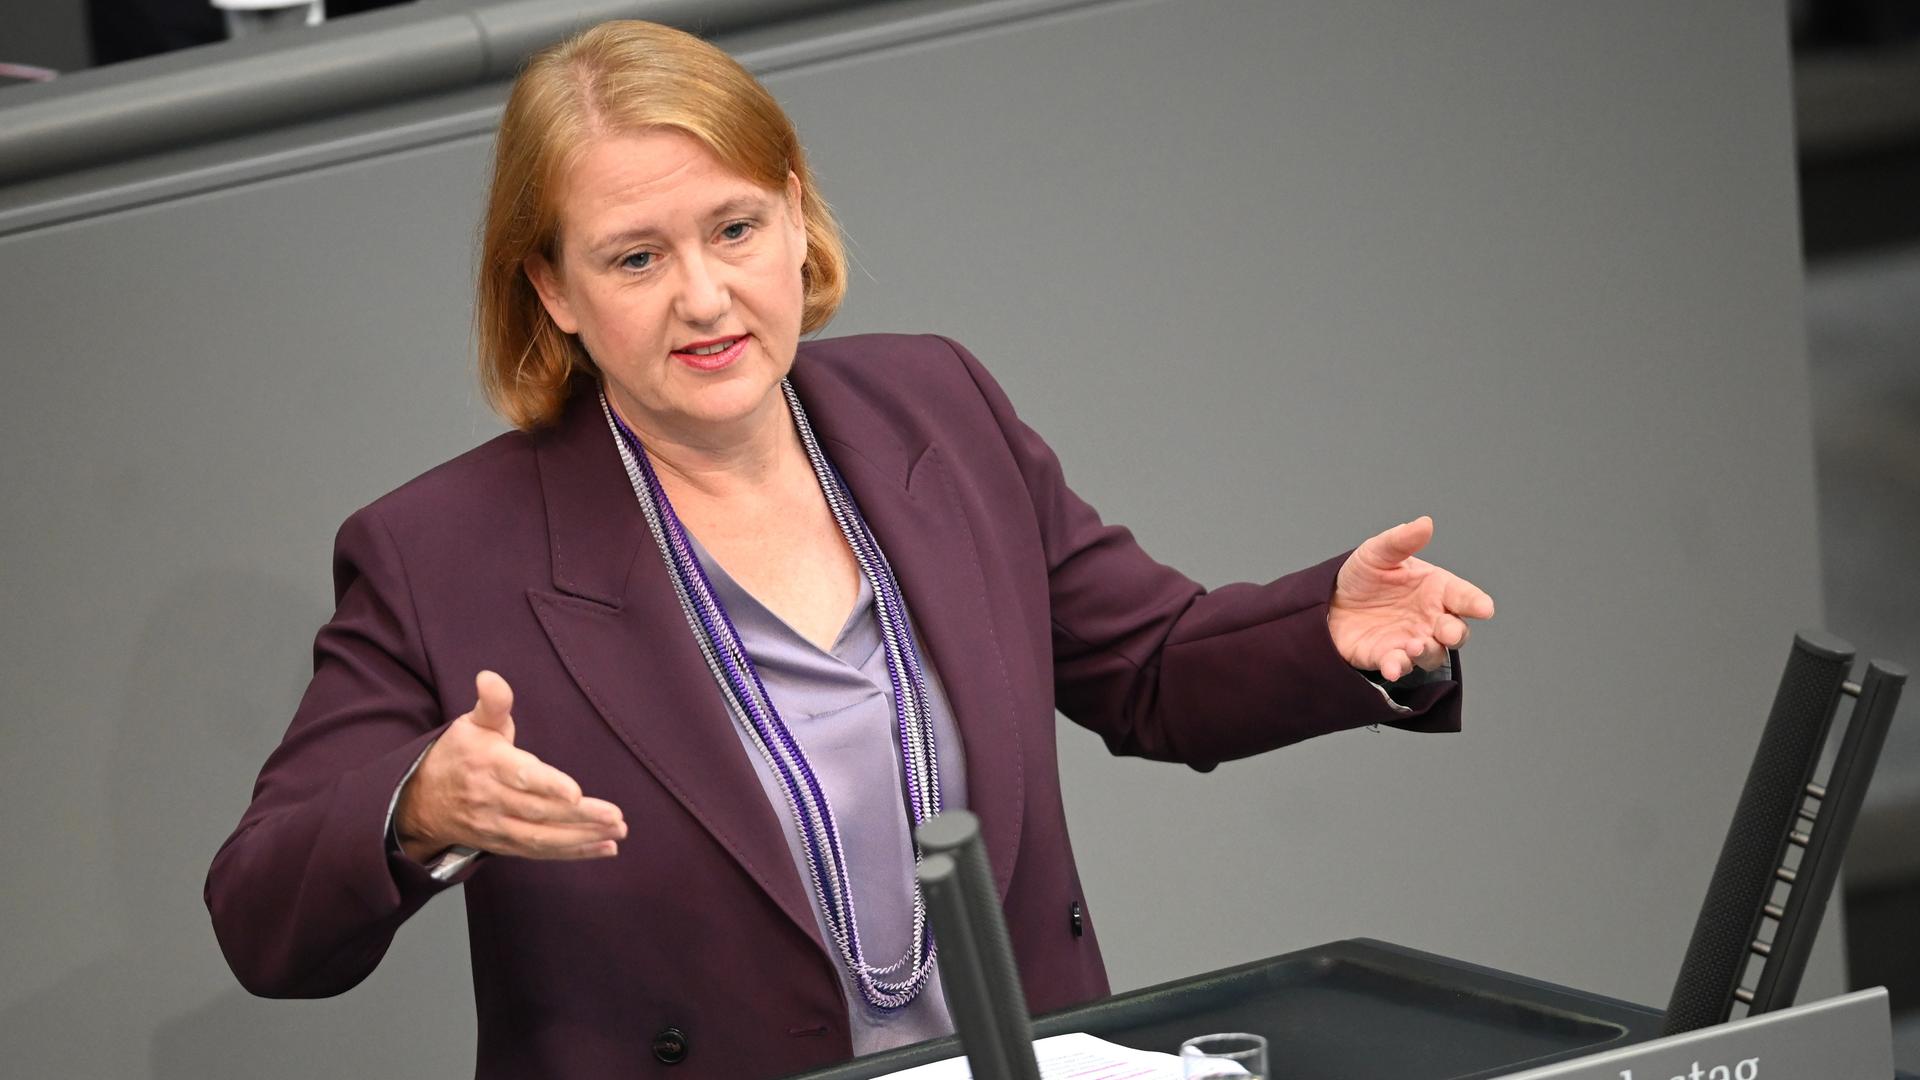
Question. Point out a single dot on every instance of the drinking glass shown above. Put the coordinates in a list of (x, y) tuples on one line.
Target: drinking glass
[(1233, 1053)]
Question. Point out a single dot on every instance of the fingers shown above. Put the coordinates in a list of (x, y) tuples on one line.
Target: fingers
[(545, 826), (1395, 665), (521, 771), (597, 850), (1428, 652), (540, 813), (599, 810), (542, 825), (474, 788), (1462, 597), (1402, 542), (493, 707), (532, 840), (547, 810)]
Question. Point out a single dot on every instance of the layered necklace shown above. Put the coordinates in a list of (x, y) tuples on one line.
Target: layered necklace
[(898, 983)]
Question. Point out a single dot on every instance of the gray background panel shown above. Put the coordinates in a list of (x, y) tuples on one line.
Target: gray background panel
[(1336, 267), (1270, 278)]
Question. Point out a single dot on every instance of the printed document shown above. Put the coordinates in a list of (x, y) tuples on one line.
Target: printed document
[(1067, 1057)]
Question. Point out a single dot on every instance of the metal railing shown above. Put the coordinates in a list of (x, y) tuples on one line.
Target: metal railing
[(251, 84)]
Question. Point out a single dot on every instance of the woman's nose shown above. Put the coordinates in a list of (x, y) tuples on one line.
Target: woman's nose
[(703, 296)]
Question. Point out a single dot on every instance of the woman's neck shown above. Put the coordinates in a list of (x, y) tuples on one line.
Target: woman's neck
[(718, 462)]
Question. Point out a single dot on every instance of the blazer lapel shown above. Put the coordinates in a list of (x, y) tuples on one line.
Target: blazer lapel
[(618, 627), (911, 503)]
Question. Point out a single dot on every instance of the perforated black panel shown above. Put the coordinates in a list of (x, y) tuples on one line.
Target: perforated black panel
[(1757, 839)]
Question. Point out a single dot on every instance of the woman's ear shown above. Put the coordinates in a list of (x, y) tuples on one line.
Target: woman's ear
[(797, 213), (546, 282)]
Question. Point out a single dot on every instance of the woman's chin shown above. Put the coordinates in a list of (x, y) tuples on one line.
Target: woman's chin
[(732, 402), (742, 392)]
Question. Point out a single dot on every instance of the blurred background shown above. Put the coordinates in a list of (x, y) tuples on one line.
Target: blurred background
[(1780, 149), (1857, 123)]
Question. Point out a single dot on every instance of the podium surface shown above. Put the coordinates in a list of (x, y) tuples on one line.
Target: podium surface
[(1348, 1010)]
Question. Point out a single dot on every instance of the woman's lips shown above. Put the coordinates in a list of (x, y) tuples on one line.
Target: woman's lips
[(714, 361)]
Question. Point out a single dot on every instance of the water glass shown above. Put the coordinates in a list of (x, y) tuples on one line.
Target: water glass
[(1234, 1053)]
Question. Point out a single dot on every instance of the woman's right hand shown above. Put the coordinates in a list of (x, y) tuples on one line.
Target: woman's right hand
[(476, 789)]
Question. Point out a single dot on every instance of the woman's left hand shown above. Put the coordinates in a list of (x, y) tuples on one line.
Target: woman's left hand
[(1392, 612)]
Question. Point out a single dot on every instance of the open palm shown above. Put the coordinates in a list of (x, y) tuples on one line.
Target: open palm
[(1392, 612)]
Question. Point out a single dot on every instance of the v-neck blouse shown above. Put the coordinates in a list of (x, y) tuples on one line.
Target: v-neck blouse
[(838, 704)]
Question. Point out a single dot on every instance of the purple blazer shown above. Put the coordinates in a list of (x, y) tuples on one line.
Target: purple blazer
[(529, 555)]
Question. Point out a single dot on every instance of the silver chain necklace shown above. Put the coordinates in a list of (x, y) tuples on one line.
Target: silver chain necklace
[(752, 708)]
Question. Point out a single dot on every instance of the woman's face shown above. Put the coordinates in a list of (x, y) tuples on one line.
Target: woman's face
[(682, 280)]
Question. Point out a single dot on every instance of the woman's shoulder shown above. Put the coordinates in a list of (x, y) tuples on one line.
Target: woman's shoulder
[(905, 356), (494, 482), (891, 371)]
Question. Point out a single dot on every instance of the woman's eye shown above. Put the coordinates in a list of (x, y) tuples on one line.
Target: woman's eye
[(736, 231), (639, 260)]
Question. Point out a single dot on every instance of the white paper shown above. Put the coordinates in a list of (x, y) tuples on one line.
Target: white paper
[(1067, 1057)]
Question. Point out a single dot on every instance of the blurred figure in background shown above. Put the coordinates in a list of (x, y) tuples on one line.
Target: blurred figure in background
[(130, 29)]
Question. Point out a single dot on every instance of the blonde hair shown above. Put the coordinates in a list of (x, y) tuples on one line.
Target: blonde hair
[(618, 77)]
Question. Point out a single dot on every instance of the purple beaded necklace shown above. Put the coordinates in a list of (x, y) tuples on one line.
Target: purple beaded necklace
[(753, 709)]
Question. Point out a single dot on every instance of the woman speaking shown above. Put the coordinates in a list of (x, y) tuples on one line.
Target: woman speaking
[(667, 675)]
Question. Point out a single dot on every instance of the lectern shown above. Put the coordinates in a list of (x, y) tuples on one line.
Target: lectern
[(1370, 1010)]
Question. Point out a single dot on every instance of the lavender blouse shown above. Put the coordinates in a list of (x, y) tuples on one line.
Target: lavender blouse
[(839, 705)]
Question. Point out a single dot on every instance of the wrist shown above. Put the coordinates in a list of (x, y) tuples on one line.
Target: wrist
[(405, 832), (418, 849)]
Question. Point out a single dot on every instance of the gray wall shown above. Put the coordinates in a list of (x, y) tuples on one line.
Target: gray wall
[(1863, 332), (1270, 277)]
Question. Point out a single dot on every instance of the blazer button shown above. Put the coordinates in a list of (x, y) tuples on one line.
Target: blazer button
[(1078, 918), (670, 1046)]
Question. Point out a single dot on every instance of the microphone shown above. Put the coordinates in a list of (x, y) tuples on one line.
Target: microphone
[(976, 964)]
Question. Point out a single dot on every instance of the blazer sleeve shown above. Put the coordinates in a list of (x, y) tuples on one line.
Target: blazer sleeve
[(305, 895), (1162, 668)]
